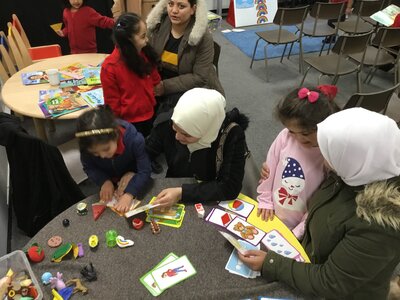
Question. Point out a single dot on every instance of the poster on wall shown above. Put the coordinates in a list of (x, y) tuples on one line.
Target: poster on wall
[(253, 12)]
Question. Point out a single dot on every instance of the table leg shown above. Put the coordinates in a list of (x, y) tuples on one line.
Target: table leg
[(40, 129), (219, 8)]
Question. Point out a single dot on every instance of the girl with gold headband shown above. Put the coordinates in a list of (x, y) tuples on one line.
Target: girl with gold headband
[(113, 156)]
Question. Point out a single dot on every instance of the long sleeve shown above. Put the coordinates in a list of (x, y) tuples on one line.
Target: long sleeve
[(298, 231), (265, 189), (94, 173), (111, 90), (98, 20), (65, 21), (228, 183), (142, 176)]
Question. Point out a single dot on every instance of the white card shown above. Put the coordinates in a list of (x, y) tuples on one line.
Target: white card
[(140, 209), (246, 231), (238, 206), (173, 273), (220, 217), (235, 243), (277, 243)]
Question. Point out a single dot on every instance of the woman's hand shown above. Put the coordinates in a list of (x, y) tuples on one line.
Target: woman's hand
[(254, 259), (159, 89), (123, 183), (265, 214), (264, 173), (168, 197), (60, 33), (124, 203), (107, 191)]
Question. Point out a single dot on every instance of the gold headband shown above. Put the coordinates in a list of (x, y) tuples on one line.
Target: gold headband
[(94, 132)]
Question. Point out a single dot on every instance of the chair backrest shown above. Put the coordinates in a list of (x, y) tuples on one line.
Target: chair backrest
[(6, 61), (290, 16), (327, 11), (18, 25), (351, 44), (6, 44), (217, 52), (387, 37), (21, 47), (3, 73), (366, 8), (377, 101)]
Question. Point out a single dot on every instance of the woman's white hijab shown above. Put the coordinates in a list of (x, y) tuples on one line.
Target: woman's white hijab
[(360, 145), (200, 112)]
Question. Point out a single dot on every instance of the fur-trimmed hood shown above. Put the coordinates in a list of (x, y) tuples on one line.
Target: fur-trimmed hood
[(379, 202), (199, 28)]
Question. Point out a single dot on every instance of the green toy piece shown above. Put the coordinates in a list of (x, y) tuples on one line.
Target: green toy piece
[(63, 250)]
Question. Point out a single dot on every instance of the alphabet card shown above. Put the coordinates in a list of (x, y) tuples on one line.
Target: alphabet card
[(274, 241), (246, 231), (172, 273)]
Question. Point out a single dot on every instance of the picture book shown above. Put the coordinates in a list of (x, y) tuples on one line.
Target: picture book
[(72, 71), (239, 218), (34, 78), (58, 102), (93, 97), (71, 82), (92, 75), (172, 217), (135, 203), (387, 15)]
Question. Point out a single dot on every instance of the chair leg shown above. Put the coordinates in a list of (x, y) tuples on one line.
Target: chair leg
[(254, 53), (322, 47), (304, 77), (266, 62), (335, 80), (283, 53), (290, 50), (301, 62), (359, 83)]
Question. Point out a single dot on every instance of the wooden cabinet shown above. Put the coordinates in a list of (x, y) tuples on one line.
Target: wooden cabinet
[(147, 6)]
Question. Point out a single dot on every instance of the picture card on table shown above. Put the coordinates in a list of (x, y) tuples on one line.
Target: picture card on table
[(246, 231), (238, 206), (172, 273), (220, 217), (274, 241), (236, 266), (148, 281)]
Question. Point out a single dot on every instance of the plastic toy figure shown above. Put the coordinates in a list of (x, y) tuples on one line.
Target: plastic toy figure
[(89, 273)]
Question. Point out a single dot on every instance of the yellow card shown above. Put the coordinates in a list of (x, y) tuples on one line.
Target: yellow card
[(56, 27)]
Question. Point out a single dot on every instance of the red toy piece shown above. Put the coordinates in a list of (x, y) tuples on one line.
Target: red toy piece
[(35, 253), (97, 210), (137, 223)]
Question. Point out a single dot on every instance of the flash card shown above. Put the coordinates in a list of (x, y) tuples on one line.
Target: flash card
[(277, 243), (238, 206), (246, 231)]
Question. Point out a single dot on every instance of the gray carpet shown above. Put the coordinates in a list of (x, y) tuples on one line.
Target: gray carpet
[(248, 90)]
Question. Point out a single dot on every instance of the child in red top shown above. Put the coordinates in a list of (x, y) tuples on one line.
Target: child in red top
[(80, 22), (130, 74)]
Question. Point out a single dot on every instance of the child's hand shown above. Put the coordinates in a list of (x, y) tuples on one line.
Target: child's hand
[(123, 183), (264, 173), (159, 89), (107, 191), (265, 214), (254, 259), (60, 33), (124, 203), (168, 197)]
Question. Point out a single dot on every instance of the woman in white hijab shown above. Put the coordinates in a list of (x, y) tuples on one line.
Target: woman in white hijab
[(352, 232), (190, 139)]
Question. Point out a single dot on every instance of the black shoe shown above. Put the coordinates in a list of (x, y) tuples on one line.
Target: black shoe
[(329, 39), (156, 167)]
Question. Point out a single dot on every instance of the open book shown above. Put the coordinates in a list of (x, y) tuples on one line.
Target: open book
[(386, 16)]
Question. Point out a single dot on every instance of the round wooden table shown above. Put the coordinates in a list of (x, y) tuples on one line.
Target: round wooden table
[(23, 99)]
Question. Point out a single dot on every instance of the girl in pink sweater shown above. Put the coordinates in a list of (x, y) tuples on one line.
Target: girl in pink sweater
[(294, 160)]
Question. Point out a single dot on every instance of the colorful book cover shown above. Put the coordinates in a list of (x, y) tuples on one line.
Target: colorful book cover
[(71, 82), (34, 78), (58, 102), (72, 71), (93, 97), (387, 15), (92, 75)]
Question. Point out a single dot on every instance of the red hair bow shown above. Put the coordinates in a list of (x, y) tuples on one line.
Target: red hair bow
[(328, 90), (310, 95)]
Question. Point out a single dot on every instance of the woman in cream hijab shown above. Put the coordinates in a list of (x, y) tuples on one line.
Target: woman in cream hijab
[(190, 138), (352, 232)]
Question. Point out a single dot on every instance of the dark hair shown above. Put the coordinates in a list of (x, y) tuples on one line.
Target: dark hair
[(100, 117), (68, 4), (125, 26), (307, 114), (192, 2)]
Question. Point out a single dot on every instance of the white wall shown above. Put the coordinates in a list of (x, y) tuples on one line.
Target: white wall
[(212, 4)]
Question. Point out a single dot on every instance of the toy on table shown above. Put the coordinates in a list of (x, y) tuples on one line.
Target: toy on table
[(46, 278), (61, 252), (172, 217), (81, 209), (35, 253), (54, 241), (97, 209), (140, 209), (89, 273), (123, 243), (111, 238), (137, 223), (155, 228), (81, 253), (79, 287), (93, 241), (114, 201), (65, 222), (200, 210), (59, 288), (5, 282)]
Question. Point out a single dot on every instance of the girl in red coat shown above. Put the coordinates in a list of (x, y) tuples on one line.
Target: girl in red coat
[(130, 74), (80, 22)]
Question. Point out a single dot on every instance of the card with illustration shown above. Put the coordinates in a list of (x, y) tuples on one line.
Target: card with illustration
[(238, 206), (234, 242), (274, 241), (173, 272), (168, 222), (174, 213), (246, 231), (220, 217), (148, 281), (236, 266)]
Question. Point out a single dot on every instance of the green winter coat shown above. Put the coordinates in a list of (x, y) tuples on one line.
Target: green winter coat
[(352, 238)]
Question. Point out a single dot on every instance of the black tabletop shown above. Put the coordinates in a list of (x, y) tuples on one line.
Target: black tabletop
[(119, 270)]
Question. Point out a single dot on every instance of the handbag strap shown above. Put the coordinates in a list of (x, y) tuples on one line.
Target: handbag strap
[(220, 150)]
